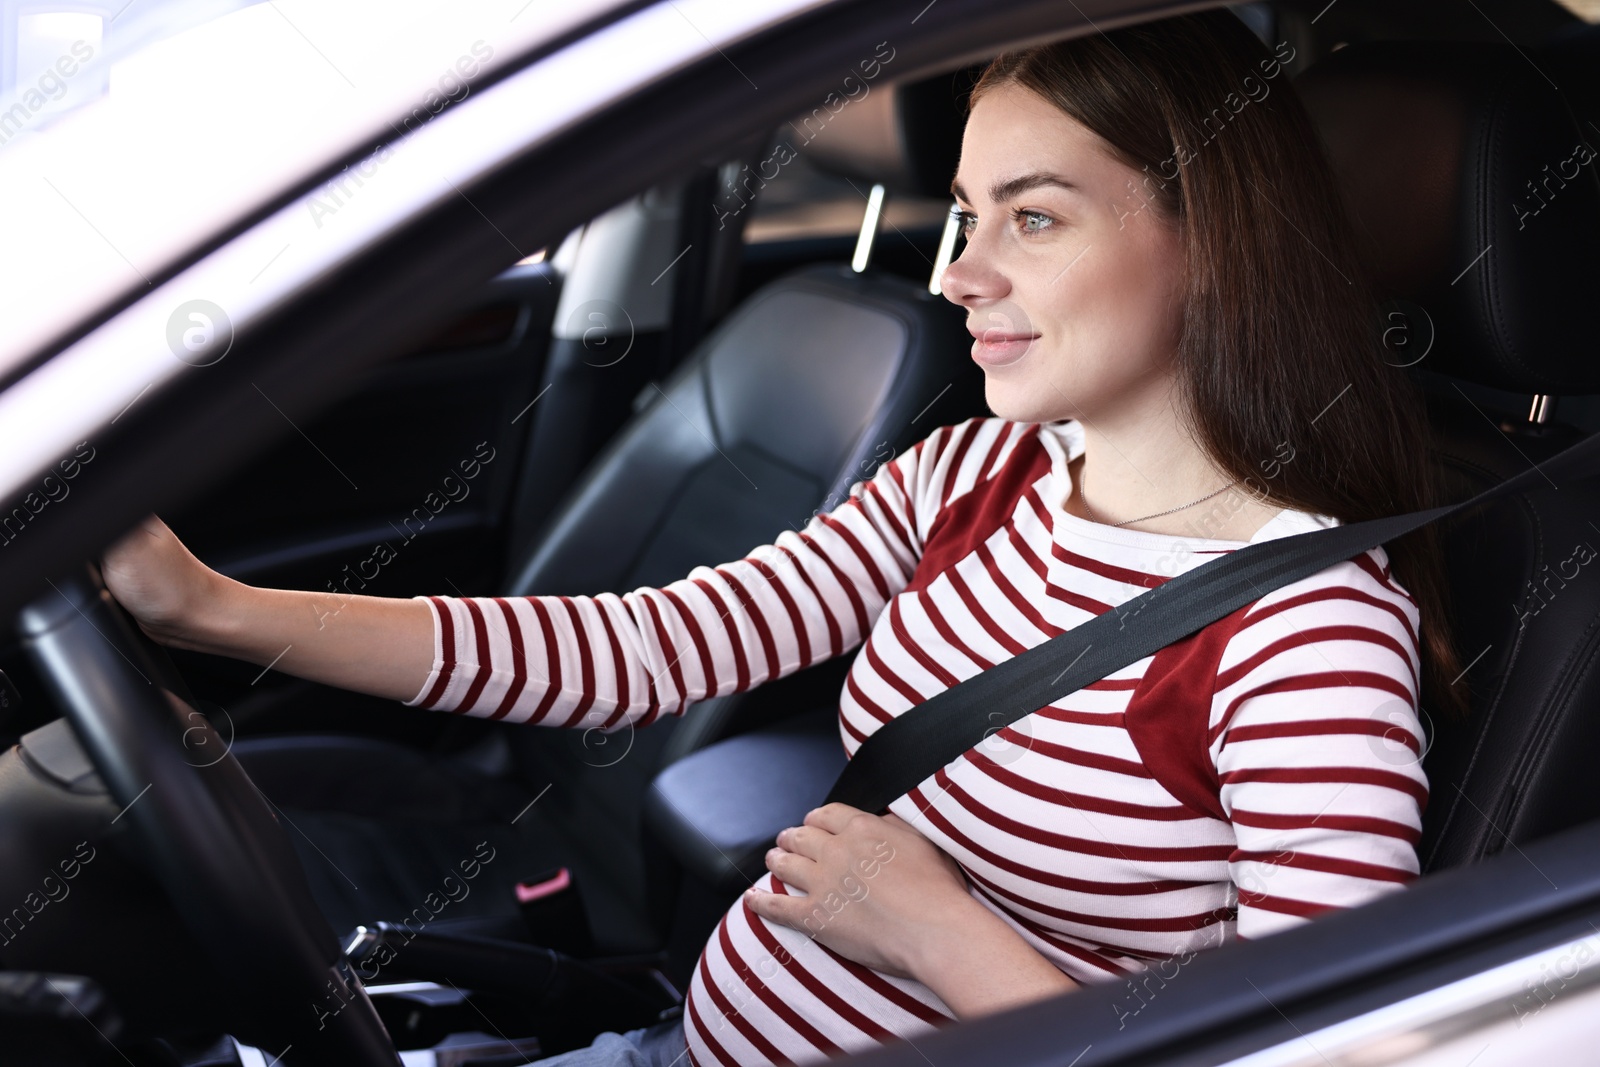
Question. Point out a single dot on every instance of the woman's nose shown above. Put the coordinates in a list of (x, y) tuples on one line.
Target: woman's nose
[(971, 278)]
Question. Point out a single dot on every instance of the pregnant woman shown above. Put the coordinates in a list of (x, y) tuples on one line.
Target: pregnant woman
[(1182, 358)]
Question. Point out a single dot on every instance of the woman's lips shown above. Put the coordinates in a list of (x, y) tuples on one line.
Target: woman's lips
[(999, 348)]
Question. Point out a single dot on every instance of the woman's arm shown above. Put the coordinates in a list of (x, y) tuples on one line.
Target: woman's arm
[(604, 661), (611, 661), (1317, 746), (369, 644), (978, 965)]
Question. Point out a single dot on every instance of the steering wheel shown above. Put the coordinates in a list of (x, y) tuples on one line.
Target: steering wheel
[(205, 831)]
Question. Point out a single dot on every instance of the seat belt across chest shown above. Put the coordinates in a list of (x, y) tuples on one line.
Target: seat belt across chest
[(911, 747)]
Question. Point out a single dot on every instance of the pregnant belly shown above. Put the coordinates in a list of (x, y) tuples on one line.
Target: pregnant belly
[(764, 994)]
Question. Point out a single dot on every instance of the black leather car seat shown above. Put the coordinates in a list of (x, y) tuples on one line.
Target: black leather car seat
[(1446, 153), (798, 393)]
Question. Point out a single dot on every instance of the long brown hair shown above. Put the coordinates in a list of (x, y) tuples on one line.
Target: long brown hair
[(1281, 352)]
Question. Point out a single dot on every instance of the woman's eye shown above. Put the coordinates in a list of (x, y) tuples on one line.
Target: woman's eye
[(1032, 221)]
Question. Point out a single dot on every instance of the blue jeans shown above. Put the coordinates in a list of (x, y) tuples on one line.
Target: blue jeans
[(661, 1045)]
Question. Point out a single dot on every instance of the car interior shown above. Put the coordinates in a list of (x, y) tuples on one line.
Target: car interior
[(752, 324)]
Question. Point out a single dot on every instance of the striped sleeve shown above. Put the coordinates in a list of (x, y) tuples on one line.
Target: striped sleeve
[(1317, 745), (609, 661)]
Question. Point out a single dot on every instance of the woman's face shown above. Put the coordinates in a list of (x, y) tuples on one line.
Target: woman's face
[(1072, 285)]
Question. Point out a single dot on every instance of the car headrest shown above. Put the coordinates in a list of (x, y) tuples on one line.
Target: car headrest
[(1469, 174), (906, 135)]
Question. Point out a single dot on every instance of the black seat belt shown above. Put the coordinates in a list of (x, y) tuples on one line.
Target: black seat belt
[(912, 746)]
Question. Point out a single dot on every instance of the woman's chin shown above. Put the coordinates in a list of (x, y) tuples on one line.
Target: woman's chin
[(1016, 402)]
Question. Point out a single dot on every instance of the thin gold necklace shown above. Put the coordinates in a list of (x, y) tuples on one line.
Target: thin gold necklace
[(1082, 482)]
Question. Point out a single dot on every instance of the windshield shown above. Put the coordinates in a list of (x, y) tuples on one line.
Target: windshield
[(130, 132)]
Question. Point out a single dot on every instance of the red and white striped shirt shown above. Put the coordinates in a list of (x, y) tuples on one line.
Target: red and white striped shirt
[(1235, 783)]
